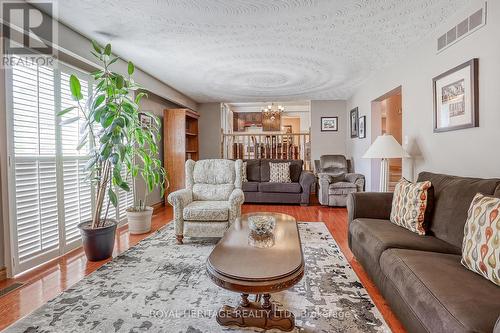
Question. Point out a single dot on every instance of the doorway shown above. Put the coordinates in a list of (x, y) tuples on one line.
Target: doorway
[(387, 115)]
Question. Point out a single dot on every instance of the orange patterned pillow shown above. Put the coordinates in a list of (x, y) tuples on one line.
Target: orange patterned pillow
[(481, 245), (409, 204)]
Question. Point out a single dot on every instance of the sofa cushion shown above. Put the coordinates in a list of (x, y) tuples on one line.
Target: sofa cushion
[(443, 294), (334, 165), (295, 169), (409, 205), (280, 187), (214, 171), (481, 250), (273, 197), (212, 192), (452, 198), (253, 170), (279, 172), (497, 195), (342, 188), (250, 186), (371, 237), (206, 211)]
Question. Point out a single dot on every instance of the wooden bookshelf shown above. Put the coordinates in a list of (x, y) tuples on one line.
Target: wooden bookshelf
[(180, 143)]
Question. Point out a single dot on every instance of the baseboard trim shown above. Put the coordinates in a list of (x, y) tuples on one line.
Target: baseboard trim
[(3, 273), (157, 206)]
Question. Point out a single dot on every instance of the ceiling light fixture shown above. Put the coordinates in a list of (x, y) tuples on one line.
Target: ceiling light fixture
[(271, 111)]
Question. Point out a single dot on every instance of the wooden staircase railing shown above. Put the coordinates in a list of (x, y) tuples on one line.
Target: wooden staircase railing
[(292, 146)]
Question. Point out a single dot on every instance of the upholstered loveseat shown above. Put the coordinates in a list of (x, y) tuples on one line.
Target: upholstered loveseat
[(211, 200), (258, 189), (421, 276)]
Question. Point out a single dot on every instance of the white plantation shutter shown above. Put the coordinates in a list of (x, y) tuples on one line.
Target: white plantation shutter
[(34, 162), (48, 190), (77, 191)]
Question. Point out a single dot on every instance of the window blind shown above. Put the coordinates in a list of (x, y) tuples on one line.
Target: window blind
[(35, 160)]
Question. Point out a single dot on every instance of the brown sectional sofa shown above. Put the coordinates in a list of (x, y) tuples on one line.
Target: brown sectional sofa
[(258, 189), (421, 277)]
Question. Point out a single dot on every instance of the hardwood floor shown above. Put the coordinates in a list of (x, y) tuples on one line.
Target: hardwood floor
[(49, 280)]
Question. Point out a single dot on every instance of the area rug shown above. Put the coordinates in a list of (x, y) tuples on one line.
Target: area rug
[(158, 286)]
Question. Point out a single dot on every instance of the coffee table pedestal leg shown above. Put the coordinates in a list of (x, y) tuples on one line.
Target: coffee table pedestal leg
[(255, 314)]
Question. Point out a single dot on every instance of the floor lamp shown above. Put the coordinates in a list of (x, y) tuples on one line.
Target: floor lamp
[(384, 147)]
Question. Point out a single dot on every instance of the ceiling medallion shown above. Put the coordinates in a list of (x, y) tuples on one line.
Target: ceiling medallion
[(271, 111)]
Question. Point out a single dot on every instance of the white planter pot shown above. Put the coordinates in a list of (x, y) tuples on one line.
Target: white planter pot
[(139, 222)]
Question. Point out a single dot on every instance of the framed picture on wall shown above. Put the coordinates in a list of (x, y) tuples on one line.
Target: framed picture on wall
[(329, 124), (354, 122), (362, 127), (145, 119), (456, 98), (287, 129)]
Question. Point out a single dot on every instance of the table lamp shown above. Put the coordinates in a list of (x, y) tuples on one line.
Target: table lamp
[(384, 147)]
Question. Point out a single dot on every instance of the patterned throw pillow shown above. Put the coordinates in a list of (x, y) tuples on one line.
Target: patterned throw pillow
[(409, 204), (279, 172), (244, 172), (481, 245)]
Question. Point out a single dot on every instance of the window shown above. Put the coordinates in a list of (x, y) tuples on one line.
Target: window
[(48, 192)]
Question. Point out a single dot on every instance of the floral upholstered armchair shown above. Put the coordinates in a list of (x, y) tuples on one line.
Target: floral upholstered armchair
[(211, 201)]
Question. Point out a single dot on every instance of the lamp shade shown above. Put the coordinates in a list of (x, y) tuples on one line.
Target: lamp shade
[(385, 146)]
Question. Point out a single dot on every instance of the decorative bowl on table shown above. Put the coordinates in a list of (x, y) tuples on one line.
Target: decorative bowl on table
[(261, 230), (261, 224)]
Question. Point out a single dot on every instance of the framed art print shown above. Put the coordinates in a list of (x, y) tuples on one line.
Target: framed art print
[(354, 122), (456, 98), (329, 124), (145, 120), (362, 127)]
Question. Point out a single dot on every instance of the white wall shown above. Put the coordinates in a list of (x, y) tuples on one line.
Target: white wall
[(305, 119), (324, 143), (209, 129), (469, 152)]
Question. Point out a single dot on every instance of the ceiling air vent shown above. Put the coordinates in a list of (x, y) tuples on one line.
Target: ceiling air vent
[(464, 28)]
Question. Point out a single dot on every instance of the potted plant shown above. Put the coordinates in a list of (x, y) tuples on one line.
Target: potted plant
[(151, 171), (111, 127)]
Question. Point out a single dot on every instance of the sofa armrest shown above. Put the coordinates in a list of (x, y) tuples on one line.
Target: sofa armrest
[(236, 199), (356, 178), (332, 177), (306, 180), (324, 177), (179, 199), (373, 205)]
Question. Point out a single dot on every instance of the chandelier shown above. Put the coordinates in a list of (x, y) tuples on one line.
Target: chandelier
[(271, 111)]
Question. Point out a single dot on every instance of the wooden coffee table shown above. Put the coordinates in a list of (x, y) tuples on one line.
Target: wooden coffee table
[(236, 265)]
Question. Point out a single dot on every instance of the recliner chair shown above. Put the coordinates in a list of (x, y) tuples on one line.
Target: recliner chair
[(211, 201), (336, 180)]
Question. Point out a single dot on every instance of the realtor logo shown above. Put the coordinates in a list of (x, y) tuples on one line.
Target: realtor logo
[(28, 27)]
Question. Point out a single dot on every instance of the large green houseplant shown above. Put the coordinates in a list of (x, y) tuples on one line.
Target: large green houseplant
[(118, 140), (147, 165)]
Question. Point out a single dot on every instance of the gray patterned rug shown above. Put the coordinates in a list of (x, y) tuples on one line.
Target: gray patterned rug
[(157, 286)]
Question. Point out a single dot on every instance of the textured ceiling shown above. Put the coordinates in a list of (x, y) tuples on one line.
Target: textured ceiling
[(242, 50)]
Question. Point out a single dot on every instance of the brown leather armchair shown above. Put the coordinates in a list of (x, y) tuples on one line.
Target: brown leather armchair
[(336, 181)]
